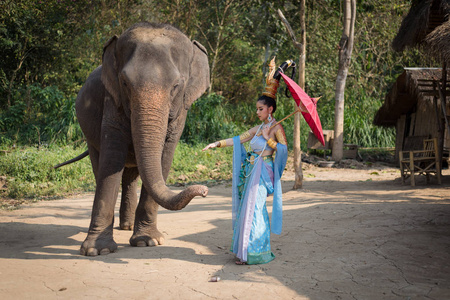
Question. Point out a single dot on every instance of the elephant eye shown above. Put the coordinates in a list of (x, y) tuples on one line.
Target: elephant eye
[(175, 89), (124, 80)]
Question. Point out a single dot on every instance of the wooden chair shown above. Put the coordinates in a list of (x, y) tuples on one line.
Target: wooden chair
[(421, 162)]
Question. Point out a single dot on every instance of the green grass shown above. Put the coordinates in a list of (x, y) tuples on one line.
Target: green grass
[(28, 174), (192, 165)]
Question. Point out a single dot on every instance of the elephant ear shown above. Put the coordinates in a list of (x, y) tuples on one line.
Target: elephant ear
[(109, 69), (199, 76)]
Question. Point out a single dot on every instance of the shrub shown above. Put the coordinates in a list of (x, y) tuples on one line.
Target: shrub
[(210, 118), (29, 173), (40, 116)]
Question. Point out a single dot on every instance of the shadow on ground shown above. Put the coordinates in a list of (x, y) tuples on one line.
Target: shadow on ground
[(354, 240)]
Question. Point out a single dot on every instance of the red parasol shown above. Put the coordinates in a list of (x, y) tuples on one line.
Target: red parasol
[(307, 106)]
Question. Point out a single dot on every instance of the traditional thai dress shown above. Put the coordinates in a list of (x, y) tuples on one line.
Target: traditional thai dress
[(255, 177)]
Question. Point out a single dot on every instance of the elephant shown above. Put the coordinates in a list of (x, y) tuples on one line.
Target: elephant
[(132, 110)]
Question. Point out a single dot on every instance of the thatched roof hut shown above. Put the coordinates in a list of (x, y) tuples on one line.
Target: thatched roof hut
[(414, 104), (439, 42), (424, 18), (413, 88), (415, 109)]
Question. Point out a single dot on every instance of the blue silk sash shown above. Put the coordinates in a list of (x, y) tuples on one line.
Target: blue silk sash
[(239, 155)]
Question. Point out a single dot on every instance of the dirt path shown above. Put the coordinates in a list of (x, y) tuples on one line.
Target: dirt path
[(348, 234)]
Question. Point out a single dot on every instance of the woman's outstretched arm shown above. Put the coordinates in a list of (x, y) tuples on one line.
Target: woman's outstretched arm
[(244, 137), (219, 144)]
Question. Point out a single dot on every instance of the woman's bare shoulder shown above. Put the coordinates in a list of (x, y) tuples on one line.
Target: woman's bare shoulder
[(278, 127)]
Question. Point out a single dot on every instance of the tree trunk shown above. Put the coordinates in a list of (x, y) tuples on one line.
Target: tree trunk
[(302, 49), (345, 53), (301, 82), (14, 74), (213, 64)]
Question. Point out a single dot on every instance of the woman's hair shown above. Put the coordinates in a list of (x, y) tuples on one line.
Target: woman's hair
[(270, 102)]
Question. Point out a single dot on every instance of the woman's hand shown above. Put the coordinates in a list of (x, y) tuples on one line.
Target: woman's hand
[(212, 145), (265, 133)]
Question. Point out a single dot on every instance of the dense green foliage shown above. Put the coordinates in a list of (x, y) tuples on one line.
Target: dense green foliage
[(50, 47)]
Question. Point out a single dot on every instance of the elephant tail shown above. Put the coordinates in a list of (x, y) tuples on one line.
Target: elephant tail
[(81, 156)]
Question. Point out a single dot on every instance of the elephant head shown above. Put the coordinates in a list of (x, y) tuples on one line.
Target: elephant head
[(154, 73)]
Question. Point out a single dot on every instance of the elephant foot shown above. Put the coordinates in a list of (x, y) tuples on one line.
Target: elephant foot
[(126, 218), (126, 225), (150, 238), (93, 246)]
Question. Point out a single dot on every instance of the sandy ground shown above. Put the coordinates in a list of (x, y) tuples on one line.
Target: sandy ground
[(348, 234)]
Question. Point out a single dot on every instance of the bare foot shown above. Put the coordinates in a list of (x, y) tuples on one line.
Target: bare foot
[(240, 262)]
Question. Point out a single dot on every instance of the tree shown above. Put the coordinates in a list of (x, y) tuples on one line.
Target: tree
[(345, 53), (223, 29), (55, 44), (35, 42), (301, 81)]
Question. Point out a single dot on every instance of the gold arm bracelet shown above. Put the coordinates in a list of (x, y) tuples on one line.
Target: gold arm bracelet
[(281, 138), (244, 136), (222, 144), (272, 144)]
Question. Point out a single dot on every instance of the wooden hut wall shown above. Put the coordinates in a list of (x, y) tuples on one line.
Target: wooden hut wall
[(426, 121), (409, 106), (400, 135), (447, 132), (423, 123)]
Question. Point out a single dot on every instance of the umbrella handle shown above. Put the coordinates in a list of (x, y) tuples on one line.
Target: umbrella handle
[(296, 111), (286, 91)]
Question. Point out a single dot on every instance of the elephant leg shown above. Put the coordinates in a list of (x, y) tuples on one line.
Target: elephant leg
[(109, 174), (146, 232), (94, 157), (129, 198)]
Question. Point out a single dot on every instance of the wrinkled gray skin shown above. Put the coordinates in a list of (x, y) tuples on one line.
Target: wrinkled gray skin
[(132, 110)]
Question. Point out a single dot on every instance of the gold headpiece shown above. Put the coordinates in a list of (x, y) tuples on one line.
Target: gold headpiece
[(271, 83)]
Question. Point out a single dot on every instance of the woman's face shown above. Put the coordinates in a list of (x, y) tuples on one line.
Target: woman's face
[(263, 111)]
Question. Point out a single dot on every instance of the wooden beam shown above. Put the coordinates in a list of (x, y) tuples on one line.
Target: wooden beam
[(430, 92), (428, 80)]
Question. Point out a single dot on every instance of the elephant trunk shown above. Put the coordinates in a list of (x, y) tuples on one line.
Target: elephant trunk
[(149, 135)]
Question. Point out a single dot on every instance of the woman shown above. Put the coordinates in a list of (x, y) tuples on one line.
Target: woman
[(255, 176)]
